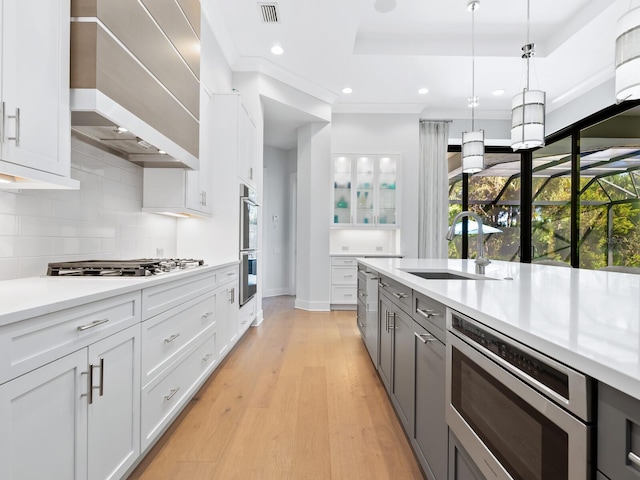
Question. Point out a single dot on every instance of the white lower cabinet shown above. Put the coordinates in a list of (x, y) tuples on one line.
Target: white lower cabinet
[(163, 398), (85, 391), (76, 417)]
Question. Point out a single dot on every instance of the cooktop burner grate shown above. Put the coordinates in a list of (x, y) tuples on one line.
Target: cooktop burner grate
[(120, 268)]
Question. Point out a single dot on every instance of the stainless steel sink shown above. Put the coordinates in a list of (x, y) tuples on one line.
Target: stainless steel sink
[(435, 275)]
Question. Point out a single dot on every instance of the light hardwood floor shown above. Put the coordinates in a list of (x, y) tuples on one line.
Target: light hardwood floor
[(298, 398)]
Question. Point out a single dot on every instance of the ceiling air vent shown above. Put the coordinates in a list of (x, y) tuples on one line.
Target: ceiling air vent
[(269, 12)]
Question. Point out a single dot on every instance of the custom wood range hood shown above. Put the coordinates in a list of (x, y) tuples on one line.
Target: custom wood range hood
[(135, 87)]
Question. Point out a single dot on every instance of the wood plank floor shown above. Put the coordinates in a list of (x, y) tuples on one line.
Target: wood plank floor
[(298, 398)]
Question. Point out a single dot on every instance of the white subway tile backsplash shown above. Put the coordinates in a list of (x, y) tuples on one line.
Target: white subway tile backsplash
[(8, 268), (101, 220), (8, 224), (7, 247), (8, 202)]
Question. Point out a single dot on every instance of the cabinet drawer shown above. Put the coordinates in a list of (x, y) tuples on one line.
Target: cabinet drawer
[(31, 343), (344, 261), (246, 316), (399, 294), (344, 295), (160, 298), (163, 399), (166, 335), (227, 274), (430, 314), (344, 275), (618, 434)]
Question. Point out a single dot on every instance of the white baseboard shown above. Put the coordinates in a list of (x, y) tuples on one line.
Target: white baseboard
[(259, 319), (276, 292), (312, 306)]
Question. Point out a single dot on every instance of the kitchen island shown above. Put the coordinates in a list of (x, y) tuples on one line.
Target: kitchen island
[(589, 320), (525, 361)]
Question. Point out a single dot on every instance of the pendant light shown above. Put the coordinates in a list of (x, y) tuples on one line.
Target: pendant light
[(473, 142), (628, 56), (527, 108)]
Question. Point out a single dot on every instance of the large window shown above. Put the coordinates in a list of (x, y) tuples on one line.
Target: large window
[(494, 194), (585, 196)]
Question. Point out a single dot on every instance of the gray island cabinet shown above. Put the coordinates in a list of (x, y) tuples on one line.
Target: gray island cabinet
[(412, 357)]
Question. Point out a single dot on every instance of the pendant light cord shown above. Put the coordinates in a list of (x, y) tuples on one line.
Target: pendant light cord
[(473, 70), (528, 39)]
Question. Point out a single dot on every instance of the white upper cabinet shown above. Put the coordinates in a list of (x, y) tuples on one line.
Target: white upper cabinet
[(35, 126), (185, 192), (365, 190), (246, 147)]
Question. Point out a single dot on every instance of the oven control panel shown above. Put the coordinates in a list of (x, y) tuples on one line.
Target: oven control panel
[(511, 353)]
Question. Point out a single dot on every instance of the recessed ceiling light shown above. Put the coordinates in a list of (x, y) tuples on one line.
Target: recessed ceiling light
[(277, 50), (498, 92), (121, 130), (162, 152), (423, 91), (347, 90)]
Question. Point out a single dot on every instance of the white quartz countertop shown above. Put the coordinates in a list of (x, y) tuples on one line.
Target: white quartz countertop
[(589, 320), (367, 255), (30, 297)]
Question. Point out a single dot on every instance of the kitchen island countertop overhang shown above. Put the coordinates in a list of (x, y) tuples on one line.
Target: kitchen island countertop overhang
[(588, 320)]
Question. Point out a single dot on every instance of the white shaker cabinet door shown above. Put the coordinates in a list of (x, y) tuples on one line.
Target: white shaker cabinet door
[(44, 422), (114, 412), (35, 84)]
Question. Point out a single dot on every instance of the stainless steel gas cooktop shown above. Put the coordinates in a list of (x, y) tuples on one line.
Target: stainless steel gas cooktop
[(121, 268)]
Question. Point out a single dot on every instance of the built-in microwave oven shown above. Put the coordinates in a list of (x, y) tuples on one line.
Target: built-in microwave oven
[(518, 414)]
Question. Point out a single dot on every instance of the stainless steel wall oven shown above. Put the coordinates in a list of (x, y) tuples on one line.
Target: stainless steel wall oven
[(248, 243), (518, 413)]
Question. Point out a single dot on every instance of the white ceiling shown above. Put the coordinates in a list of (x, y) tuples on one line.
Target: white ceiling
[(387, 57)]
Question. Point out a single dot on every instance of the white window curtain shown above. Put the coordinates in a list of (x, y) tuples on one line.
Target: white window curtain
[(433, 209)]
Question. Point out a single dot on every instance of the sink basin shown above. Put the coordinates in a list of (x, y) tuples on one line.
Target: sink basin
[(434, 275)]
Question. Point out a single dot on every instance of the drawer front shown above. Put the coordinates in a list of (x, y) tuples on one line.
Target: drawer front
[(344, 295), (163, 399), (161, 298), (167, 335), (32, 343), (430, 314), (246, 316), (618, 434), (227, 274), (344, 261), (344, 275), (399, 294)]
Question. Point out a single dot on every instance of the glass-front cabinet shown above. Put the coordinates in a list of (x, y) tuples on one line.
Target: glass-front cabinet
[(365, 190)]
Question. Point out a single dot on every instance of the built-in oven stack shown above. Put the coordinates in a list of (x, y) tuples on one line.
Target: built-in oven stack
[(248, 243)]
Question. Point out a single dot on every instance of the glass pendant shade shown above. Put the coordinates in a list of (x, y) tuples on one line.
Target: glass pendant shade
[(527, 119), (473, 151), (628, 56)]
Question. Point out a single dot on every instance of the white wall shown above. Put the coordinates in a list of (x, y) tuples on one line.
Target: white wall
[(313, 274), (386, 133), (278, 167), (102, 220)]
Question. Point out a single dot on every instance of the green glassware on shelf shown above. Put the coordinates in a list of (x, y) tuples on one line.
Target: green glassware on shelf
[(342, 203)]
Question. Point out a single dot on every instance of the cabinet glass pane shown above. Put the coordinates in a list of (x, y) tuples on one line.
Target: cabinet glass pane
[(342, 190), (387, 199), (365, 176)]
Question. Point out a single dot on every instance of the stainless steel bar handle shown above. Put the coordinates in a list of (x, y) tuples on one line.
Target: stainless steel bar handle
[(90, 394), (207, 357), (427, 313), (94, 324), (383, 285), (172, 392), (233, 295), (386, 327), (362, 294), (349, 276), (17, 119), (205, 198), (392, 327), (633, 458), (171, 338), (425, 337), (229, 274), (207, 315), (400, 295), (348, 294), (101, 390)]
